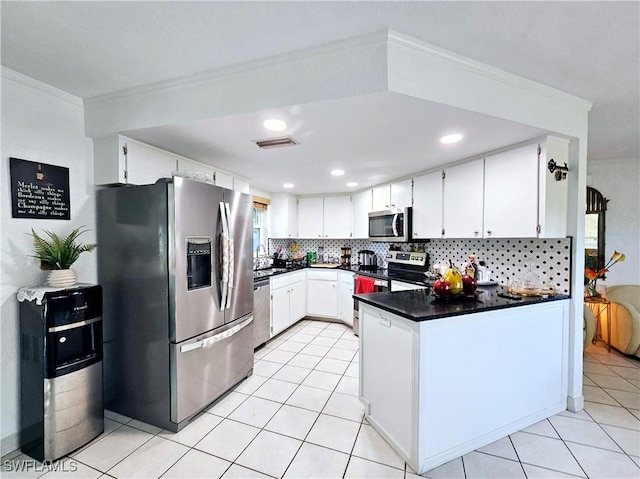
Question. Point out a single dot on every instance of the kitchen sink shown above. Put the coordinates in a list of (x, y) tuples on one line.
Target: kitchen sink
[(261, 273)]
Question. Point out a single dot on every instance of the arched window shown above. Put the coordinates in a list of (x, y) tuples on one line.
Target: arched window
[(594, 230)]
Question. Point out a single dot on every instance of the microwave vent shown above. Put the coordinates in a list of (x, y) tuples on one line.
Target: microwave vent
[(276, 142)]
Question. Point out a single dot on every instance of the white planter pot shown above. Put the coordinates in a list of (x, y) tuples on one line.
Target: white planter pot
[(62, 278)]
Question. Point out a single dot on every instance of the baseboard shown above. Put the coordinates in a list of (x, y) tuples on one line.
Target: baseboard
[(575, 404)]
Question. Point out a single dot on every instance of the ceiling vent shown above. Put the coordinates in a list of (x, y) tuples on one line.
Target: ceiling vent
[(276, 142)]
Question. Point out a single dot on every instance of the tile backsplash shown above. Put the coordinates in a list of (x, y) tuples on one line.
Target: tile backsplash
[(506, 258)]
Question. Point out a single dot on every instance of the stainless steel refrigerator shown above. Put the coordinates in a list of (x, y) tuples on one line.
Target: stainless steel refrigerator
[(175, 264)]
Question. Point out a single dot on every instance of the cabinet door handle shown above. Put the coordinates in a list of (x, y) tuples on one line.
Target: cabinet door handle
[(386, 322), (489, 232), (475, 233)]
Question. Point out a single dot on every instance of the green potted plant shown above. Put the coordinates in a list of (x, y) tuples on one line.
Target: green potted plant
[(58, 254)]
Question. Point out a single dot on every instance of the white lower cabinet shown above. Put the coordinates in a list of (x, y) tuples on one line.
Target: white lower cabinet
[(288, 300), (322, 297), (345, 297), (388, 375), (428, 395)]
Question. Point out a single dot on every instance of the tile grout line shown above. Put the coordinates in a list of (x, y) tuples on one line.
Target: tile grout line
[(281, 406), (569, 449)]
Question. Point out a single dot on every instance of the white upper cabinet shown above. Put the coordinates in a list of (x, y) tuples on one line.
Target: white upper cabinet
[(337, 217), (381, 198), (224, 180), (310, 217), (427, 206), (511, 193), (241, 185), (360, 214), (118, 159), (187, 164), (462, 200), (402, 194), (283, 216), (328, 217)]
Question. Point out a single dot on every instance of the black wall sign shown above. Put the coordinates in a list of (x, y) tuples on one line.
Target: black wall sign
[(39, 190)]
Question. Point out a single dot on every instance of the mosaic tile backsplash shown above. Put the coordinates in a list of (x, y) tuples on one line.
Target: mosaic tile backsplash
[(507, 259)]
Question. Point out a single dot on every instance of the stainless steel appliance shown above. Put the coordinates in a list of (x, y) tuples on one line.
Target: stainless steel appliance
[(61, 372), (402, 266), (261, 311), (391, 226), (407, 266), (367, 260), (175, 262)]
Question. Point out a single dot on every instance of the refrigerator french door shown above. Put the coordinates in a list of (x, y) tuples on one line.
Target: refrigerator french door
[(176, 267)]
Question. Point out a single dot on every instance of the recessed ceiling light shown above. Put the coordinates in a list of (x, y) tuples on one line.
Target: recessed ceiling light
[(287, 185), (273, 124), (454, 138), (337, 172), (351, 184)]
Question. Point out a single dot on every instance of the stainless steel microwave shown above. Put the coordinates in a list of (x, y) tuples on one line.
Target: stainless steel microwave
[(390, 226)]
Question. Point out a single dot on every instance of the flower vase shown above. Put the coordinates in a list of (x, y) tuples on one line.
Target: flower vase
[(62, 278), (590, 290)]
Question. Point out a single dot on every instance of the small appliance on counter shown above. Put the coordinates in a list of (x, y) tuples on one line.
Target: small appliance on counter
[(345, 256), (367, 260), (296, 262)]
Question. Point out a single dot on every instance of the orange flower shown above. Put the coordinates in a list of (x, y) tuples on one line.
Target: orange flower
[(591, 274)]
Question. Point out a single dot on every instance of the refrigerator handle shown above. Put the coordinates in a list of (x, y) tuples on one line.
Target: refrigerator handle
[(224, 247), (231, 259), (208, 342)]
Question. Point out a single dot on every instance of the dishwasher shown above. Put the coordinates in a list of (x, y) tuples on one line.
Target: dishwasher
[(261, 312)]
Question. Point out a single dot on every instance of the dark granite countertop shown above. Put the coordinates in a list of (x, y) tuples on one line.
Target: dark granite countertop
[(421, 305)]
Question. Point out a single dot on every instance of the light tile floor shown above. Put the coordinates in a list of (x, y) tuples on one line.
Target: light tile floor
[(299, 416)]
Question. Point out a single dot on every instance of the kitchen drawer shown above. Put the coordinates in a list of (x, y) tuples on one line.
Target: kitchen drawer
[(322, 275), (296, 277), (280, 281)]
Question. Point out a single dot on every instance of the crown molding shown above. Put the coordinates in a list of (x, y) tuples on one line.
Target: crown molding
[(8, 74), (484, 70), (374, 39)]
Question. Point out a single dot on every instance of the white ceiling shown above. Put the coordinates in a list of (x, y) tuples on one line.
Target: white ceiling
[(589, 49)]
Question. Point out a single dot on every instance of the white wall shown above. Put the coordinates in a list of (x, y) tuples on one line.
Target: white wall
[(618, 181), (39, 123)]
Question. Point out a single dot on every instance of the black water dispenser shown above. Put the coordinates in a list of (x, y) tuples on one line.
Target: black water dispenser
[(198, 262), (61, 371)]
